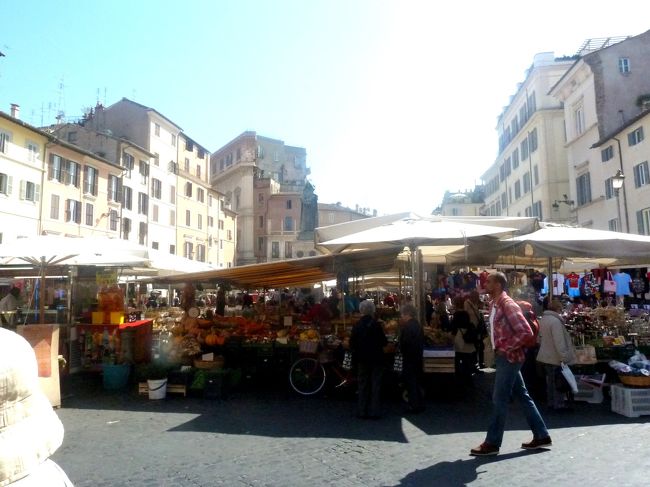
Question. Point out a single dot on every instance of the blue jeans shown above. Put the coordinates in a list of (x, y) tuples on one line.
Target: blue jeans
[(508, 382)]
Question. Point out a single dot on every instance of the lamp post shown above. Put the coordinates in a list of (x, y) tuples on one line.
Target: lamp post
[(617, 184)]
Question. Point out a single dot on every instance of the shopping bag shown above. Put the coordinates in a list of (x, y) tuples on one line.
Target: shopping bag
[(609, 284), (569, 377), (398, 362), (347, 360)]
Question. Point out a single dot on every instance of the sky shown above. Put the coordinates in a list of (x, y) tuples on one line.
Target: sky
[(395, 101)]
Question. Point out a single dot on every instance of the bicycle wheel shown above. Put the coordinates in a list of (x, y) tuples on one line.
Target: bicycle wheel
[(307, 376)]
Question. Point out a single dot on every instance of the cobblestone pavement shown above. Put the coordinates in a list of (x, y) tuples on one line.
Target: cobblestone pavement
[(264, 438)]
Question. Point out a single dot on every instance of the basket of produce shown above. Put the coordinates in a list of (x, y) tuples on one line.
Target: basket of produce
[(635, 380), (308, 346), (217, 363)]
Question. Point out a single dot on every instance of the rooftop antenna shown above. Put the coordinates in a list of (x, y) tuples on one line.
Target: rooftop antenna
[(60, 113)]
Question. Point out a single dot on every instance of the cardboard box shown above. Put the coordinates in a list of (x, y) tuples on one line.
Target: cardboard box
[(98, 318), (117, 317)]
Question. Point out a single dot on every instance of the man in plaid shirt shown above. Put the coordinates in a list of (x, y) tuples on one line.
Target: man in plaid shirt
[(508, 332)]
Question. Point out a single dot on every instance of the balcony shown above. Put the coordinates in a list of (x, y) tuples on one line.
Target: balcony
[(21, 154)]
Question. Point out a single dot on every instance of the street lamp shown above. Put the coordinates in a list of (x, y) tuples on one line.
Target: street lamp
[(617, 184)]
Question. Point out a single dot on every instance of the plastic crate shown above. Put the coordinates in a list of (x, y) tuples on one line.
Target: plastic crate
[(588, 393), (629, 401)]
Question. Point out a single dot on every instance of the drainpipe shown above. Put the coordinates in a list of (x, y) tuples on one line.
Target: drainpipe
[(620, 163)]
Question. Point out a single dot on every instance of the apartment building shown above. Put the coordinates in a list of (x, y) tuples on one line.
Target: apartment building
[(605, 96), (22, 149), (331, 214), (530, 176), (462, 203), (251, 167), (125, 215)]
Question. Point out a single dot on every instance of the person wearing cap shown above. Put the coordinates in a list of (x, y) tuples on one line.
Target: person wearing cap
[(30, 430)]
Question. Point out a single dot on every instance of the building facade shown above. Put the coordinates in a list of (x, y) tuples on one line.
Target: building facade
[(332, 214), (605, 95), (530, 174), (465, 203), (259, 176)]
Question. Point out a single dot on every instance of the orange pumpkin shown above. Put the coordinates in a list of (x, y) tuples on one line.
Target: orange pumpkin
[(211, 339)]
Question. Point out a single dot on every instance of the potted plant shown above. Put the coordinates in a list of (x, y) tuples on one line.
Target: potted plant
[(155, 374)]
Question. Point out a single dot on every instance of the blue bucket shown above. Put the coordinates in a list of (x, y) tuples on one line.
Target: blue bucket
[(116, 376)]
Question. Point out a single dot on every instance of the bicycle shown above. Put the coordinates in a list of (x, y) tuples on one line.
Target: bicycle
[(308, 375)]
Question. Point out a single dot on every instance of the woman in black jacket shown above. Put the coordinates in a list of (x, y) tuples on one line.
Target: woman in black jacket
[(367, 343)]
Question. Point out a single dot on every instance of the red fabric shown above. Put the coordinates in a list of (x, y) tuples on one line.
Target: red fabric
[(574, 280), (511, 330)]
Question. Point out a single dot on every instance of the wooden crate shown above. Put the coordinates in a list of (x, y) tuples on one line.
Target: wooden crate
[(171, 388), (439, 365)]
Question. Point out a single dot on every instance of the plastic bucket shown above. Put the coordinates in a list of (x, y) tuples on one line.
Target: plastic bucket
[(157, 388), (116, 376)]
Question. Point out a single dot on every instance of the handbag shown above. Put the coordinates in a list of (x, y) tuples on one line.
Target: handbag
[(609, 284), (398, 362), (569, 377)]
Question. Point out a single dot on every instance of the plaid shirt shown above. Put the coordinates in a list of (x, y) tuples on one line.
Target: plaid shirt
[(510, 328)]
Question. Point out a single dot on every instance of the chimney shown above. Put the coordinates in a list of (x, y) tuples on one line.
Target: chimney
[(15, 110)]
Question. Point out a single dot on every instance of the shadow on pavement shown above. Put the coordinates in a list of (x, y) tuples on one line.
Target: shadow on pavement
[(276, 412), (455, 474)]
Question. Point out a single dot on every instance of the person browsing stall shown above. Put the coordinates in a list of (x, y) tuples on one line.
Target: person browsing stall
[(509, 331)]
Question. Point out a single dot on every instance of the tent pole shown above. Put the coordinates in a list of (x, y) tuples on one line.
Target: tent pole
[(550, 279), (41, 294)]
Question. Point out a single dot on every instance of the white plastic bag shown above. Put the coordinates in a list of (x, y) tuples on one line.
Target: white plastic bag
[(570, 378)]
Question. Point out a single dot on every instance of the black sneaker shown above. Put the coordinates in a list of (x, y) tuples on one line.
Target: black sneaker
[(537, 443)]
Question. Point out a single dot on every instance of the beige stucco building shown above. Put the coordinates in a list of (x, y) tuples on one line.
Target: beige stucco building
[(603, 96), (530, 176), (331, 214), (251, 167), (462, 203)]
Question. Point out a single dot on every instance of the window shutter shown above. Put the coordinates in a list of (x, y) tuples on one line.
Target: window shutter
[(67, 210), (23, 189), (50, 167), (77, 212), (37, 192), (639, 222), (86, 184), (118, 196), (10, 180)]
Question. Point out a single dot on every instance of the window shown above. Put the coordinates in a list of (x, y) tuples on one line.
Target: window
[(56, 168), (275, 250), (607, 153), (526, 180), (199, 221), (641, 175), (187, 165), (532, 140), (532, 104), (229, 234), (612, 225), (220, 224), (288, 224), (126, 228), (113, 217), (90, 180), (504, 200), (155, 245), (5, 138), (156, 188), (172, 217), (127, 198), (609, 188), (261, 220), (537, 209), (143, 203), (142, 233), (74, 174), (188, 218), (143, 169), (623, 65), (154, 213), (643, 221), (189, 145), (579, 119), (172, 195), (260, 198), (211, 221), (188, 248), (200, 195), (535, 175), (89, 214), (515, 159), (113, 188), (188, 190), (198, 170), (288, 250), (156, 129), (128, 161), (174, 140), (524, 149), (33, 151), (260, 244), (172, 249), (73, 211), (288, 204), (583, 187), (30, 191), (634, 137), (54, 207), (5, 184), (200, 253)]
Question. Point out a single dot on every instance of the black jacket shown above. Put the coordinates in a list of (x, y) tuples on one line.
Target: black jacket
[(411, 341), (367, 341)]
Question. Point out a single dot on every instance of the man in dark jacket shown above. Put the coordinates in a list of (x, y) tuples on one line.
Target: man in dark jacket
[(367, 343), (411, 345)]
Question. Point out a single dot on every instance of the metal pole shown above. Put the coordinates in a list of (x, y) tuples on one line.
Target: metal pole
[(619, 224)]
